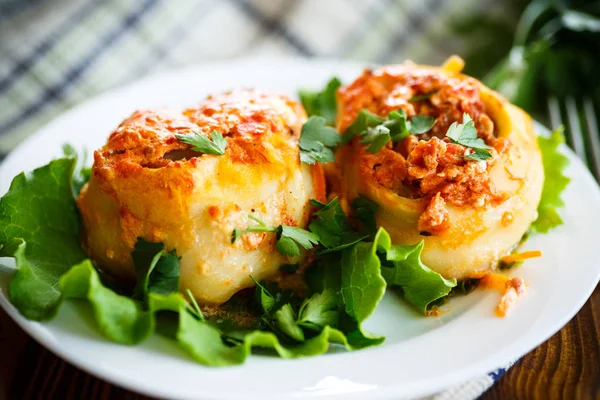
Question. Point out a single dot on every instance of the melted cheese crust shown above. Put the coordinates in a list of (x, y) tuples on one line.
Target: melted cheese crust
[(473, 231), (146, 183)]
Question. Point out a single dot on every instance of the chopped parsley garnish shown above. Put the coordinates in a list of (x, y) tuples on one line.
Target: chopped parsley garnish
[(376, 131), (200, 143), (263, 297), (423, 96), (320, 310), (332, 227), (195, 308), (365, 211), (156, 269), (421, 124), (288, 237), (365, 119), (322, 104), (465, 134), (285, 321), (317, 141)]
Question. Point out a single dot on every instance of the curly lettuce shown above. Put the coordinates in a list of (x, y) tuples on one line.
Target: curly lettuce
[(555, 182), (39, 227)]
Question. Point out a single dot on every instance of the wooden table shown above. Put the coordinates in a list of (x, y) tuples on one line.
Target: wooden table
[(567, 366)]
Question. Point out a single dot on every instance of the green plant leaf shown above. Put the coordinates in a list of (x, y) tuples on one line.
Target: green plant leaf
[(263, 297), (420, 285), (365, 211), (317, 141), (319, 311), (421, 124), (555, 182), (362, 283), (81, 173), (119, 318), (330, 223), (202, 144), (323, 103), (156, 270), (365, 119), (39, 226), (286, 323)]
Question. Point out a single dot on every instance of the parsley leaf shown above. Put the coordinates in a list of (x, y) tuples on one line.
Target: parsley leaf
[(200, 143), (423, 96), (263, 297), (286, 323), (261, 227), (465, 134), (365, 211), (376, 131), (421, 124), (319, 311), (322, 103), (156, 270), (317, 140), (555, 182), (479, 155), (194, 306), (289, 238), (365, 119), (332, 227), (330, 222), (376, 138), (301, 236)]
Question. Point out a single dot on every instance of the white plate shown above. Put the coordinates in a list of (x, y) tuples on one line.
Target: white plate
[(420, 355)]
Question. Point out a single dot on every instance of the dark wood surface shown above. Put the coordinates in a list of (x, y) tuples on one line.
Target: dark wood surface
[(567, 366)]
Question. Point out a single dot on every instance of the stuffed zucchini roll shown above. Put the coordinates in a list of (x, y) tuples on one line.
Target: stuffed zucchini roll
[(188, 178), (447, 160)]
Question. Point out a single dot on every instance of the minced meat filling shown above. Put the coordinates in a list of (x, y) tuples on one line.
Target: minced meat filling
[(426, 165)]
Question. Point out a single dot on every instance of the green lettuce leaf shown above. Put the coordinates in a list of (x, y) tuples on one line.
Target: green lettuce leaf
[(82, 173), (363, 285), (420, 285), (124, 320), (39, 226), (555, 182), (118, 317)]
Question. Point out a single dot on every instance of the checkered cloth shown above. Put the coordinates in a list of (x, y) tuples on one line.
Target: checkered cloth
[(55, 54)]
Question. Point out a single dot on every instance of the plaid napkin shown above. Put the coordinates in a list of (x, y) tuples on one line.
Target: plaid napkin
[(55, 54)]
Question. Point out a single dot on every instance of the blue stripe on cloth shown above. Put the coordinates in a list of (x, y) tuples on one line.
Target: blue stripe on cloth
[(10, 7), (24, 65), (416, 19), (274, 26), (72, 75), (166, 44)]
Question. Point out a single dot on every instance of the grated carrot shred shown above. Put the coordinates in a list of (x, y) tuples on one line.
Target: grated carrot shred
[(496, 281), (511, 258)]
